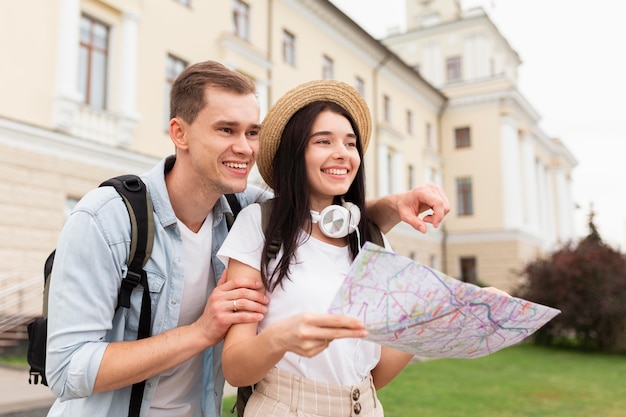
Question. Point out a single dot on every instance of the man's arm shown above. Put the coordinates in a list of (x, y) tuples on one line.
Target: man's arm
[(81, 356), (410, 207), (129, 362)]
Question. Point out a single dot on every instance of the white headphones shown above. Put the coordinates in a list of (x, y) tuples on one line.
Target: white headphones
[(337, 221)]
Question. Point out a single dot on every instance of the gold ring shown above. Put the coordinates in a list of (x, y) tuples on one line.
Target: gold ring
[(235, 305)]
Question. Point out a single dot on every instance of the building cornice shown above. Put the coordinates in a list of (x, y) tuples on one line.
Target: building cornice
[(242, 48), (474, 19), (372, 51), (31, 138)]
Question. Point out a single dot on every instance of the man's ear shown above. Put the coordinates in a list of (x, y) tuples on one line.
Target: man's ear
[(178, 133)]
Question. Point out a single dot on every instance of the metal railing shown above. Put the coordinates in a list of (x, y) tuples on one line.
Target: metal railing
[(21, 297)]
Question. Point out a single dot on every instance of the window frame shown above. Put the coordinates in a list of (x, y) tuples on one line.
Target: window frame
[(359, 85), (86, 74), (462, 137), (172, 63), (453, 68), (468, 269), (387, 108), (410, 122), (464, 196), (241, 19), (289, 48), (328, 67)]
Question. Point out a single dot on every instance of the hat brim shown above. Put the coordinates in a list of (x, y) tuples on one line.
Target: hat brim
[(293, 100)]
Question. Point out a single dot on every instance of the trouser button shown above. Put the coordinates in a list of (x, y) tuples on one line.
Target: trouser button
[(356, 394), (357, 408)]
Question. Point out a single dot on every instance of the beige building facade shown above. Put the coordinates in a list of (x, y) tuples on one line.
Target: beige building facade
[(509, 184), (85, 97)]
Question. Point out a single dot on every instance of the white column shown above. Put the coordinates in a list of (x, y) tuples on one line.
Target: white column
[(67, 95), (540, 202), (551, 206), (511, 181), (564, 206), (128, 64), (469, 58), (529, 179)]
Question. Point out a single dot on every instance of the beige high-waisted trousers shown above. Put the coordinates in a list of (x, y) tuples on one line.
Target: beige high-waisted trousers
[(282, 394)]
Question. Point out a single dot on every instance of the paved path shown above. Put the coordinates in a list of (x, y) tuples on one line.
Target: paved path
[(17, 395), (20, 399)]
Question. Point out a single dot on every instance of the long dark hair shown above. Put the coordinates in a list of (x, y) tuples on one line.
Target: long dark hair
[(291, 212)]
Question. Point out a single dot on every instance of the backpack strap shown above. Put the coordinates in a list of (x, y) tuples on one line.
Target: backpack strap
[(234, 206), (376, 234), (275, 241), (139, 206)]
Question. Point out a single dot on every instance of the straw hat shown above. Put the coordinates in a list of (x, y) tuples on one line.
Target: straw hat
[(320, 90)]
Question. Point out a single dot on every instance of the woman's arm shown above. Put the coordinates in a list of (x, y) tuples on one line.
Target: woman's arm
[(247, 356), (390, 364)]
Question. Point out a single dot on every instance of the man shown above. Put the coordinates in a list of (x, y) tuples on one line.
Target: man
[(93, 355)]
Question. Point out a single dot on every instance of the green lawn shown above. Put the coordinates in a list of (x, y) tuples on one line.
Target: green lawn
[(521, 381)]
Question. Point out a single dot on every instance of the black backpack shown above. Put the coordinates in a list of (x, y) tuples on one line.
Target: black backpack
[(139, 206)]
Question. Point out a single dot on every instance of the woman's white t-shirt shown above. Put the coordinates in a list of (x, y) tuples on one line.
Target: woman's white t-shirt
[(315, 278)]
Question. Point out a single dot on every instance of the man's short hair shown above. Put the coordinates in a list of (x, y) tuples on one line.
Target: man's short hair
[(187, 94)]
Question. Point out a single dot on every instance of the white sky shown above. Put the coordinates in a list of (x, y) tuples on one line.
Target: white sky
[(573, 73)]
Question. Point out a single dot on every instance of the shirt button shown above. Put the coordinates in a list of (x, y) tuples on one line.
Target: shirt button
[(356, 394), (174, 302)]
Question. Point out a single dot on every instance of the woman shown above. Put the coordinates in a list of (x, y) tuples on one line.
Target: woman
[(303, 360)]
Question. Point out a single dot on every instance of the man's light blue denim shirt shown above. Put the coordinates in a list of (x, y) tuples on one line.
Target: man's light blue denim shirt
[(91, 260)]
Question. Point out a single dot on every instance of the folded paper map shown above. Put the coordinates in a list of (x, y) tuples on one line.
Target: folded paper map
[(416, 309)]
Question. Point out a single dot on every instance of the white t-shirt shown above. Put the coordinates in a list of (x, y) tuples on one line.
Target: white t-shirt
[(315, 278), (180, 388)]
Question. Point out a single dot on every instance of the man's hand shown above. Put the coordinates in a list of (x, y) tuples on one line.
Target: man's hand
[(423, 204), (414, 203), (238, 300)]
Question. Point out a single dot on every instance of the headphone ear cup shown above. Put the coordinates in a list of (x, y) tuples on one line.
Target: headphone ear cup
[(338, 221), (355, 215), (334, 221)]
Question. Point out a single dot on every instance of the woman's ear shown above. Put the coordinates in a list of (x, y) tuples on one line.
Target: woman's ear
[(178, 129)]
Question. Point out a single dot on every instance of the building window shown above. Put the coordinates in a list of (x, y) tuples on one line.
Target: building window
[(453, 66), (93, 61), (185, 2), (391, 153), (328, 68), (468, 270), (289, 48), (241, 19), (429, 135), (464, 196), (387, 108), (462, 138), (409, 122), (360, 86), (433, 261), (411, 175), (173, 67)]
